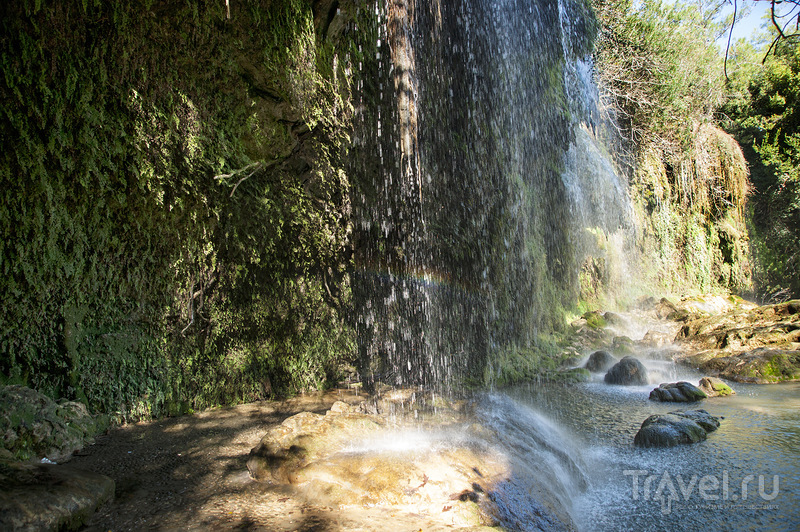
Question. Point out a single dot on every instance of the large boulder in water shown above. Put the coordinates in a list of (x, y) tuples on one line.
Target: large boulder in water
[(600, 361), (714, 387), (628, 371), (677, 392), (668, 430)]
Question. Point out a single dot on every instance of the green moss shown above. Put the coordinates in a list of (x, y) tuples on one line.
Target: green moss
[(622, 346), (594, 319), (172, 211), (781, 367), (544, 361), (723, 389), (570, 376)]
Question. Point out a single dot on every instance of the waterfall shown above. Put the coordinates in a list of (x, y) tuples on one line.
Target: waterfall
[(480, 183)]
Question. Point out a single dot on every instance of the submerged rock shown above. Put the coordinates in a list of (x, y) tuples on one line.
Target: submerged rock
[(49, 497), (714, 387), (677, 392), (675, 428), (628, 371), (600, 361)]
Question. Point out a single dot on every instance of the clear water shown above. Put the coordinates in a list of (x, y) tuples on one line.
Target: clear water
[(745, 476)]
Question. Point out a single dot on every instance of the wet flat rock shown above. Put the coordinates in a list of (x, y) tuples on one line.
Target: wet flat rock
[(49, 497), (348, 458)]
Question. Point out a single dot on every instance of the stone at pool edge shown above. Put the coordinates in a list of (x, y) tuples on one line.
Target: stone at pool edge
[(714, 387), (49, 497), (675, 428), (677, 392), (627, 372)]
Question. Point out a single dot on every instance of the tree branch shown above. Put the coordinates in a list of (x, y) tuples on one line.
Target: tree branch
[(249, 170)]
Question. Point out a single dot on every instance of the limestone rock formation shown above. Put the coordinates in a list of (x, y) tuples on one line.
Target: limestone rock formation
[(677, 392), (350, 458), (628, 372), (656, 339), (674, 428), (746, 344)]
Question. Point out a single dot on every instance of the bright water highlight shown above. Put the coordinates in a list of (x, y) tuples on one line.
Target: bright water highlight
[(745, 476)]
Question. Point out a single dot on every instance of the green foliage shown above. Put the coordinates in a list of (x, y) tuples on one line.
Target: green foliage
[(173, 204), (662, 70), (764, 112), (693, 217), (660, 65)]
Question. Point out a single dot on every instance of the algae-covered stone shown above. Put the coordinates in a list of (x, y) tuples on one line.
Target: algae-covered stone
[(594, 319), (714, 387), (34, 426)]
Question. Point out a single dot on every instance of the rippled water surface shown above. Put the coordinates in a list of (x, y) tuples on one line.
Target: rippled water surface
[(745, 476)]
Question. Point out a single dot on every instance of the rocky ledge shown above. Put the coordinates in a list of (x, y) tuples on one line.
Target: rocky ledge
[(46, 496), (745, 343), (359, 456)]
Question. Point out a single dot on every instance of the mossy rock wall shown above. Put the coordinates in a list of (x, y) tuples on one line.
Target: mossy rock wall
[(173, 206), (691, 209)]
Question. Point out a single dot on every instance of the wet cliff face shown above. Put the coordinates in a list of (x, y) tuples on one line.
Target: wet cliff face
[(174, 211), (471, 198)]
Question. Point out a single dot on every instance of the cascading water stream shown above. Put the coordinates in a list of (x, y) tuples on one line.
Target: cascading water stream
[(486, 185), (481, 184)]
